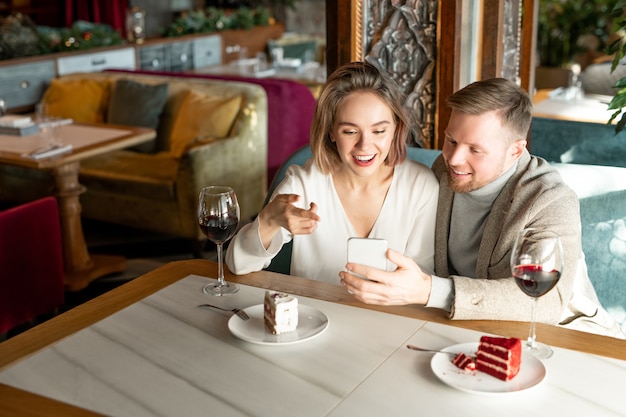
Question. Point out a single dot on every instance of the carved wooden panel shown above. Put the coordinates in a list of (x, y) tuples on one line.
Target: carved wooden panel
[(508, 40), (429, 31), (401, 38)]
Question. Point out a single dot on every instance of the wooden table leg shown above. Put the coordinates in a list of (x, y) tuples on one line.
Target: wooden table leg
[(80, 267)]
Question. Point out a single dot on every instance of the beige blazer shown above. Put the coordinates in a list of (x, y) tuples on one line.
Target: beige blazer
[(535, 196)]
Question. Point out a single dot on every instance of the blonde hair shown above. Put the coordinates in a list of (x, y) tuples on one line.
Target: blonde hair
[(348, 79), (504, 96)]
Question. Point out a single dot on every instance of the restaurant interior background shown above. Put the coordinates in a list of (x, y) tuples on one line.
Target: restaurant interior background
[(481, 38), (309, 17)]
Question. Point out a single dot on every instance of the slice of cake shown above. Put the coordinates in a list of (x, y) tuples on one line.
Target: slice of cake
[(280, 312), (499, 356), (464, 362)]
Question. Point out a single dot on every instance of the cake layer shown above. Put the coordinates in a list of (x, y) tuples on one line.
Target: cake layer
[(499, 357), (499, 346), (495, 371), (280, 312), (464, 362)]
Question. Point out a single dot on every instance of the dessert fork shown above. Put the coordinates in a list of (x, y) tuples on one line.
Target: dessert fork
[(239, 312), (429, 350)]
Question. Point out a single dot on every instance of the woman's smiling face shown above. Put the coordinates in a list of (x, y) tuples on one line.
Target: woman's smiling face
[(363, 132)]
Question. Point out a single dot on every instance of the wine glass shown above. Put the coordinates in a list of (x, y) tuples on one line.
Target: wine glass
[(218, 217), (537, 263), (48, 125)]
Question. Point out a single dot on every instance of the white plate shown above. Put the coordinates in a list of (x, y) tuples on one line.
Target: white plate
[(531, 373), (311, 323)]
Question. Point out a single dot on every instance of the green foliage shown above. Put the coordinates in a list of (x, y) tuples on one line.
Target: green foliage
[(20, 37), (81, 36), (562, 22), (214, 19), (618, 50)]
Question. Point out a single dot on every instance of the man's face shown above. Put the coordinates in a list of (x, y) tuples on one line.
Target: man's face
[(477, 150)]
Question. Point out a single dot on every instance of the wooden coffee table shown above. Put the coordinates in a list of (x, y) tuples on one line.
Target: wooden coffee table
[(87, 140)]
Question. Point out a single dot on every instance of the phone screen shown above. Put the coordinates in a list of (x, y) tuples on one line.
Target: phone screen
[(368, 251)]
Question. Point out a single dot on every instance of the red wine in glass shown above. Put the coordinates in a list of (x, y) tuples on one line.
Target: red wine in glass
[(533, 280), (218, 230), (536, 265), (218, 217)]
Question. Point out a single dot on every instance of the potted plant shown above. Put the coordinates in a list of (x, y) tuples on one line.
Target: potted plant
[(618, 50)]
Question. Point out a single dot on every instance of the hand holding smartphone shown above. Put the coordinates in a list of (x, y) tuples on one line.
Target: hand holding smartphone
[(367, 251)]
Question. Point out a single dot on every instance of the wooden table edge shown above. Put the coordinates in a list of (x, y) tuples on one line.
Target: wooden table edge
[(17, 402), (84, 315)]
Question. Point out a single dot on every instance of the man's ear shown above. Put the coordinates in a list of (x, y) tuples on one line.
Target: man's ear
[(517, 148)]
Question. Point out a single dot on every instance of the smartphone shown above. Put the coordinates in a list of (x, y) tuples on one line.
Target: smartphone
[(368, 251)]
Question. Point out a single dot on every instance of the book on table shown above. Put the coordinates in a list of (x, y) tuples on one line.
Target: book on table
[(17, 125)]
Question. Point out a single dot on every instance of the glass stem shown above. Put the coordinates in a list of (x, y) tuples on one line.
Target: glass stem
[(532, 337), (220, 266)]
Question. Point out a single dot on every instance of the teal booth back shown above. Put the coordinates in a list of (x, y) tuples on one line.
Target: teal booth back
[(575, 142), (602, 195)]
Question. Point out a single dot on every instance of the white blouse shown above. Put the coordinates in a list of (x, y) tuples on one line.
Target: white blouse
[(406, 221)]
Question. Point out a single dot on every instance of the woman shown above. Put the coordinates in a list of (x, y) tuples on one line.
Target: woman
[(358, 183)]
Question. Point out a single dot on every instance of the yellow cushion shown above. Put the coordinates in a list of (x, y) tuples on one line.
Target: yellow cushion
[(201, 117), (85, 101)]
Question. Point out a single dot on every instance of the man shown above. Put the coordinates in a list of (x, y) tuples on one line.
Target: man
[(490, 189)]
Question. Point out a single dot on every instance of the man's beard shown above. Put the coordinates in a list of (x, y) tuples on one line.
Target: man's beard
[(473, 183), (459, 186)]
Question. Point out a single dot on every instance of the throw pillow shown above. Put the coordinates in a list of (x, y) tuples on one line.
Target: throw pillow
[(201, 117), (84, 101), (137, 104)]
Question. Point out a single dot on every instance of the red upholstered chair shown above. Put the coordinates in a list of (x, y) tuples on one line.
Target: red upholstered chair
[(31, 262)]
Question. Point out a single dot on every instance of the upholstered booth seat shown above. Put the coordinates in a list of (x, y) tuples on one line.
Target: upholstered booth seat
[(591, 159), (290, 108), (159, 192), (149, 176), (157, 189), (602, 194), (31, 262), (576, 142)]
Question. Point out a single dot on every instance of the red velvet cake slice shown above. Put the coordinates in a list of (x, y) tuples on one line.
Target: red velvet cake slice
[(464, 362), (499, 357)]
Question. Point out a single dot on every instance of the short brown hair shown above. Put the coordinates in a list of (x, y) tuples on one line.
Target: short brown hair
[(348, 79), (507, 98)]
